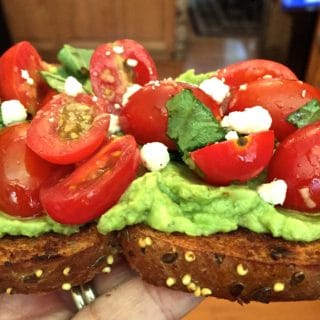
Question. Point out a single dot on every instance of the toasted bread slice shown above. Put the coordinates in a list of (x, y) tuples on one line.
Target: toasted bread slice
[(54, 261), (241, 265)]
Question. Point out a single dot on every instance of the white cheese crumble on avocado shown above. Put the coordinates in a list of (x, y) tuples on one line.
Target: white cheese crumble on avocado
[(154, 156), (273, 192)]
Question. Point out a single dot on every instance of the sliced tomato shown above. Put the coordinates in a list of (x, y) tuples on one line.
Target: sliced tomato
[(279, 96), (145, 114), (94, 186), (115, 66), (20, 68), (297, 162), (250, 70), (22, 172), (68, 129), (235, 160)]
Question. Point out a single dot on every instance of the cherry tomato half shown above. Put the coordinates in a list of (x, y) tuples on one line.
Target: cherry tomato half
[(94, 186), (20, 68), (22, 173), (235, 160), (279, 96), (297, 162), (68, 129), (250, 70), (145, 114), (115, 66)]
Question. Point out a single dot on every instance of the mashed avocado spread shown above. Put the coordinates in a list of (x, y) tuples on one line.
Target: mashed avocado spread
[(32, 227), (174, 200)]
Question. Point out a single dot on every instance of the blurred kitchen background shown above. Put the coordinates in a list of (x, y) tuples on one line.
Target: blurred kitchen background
[(203, 34), (181, 34)]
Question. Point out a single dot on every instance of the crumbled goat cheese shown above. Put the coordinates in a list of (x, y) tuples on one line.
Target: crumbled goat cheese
[(114, 126), (132, 62), (273, 192), (13, 111), (232, 135), (215, 88), (118, 49), (129, 92), (251, 120), (154, 156), (72, 86), (26, 76)]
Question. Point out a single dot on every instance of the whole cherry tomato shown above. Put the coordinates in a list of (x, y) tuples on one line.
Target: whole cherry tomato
[(22, 173), (115, 66), (250, 70), (297, 162), (235, 160), (95, 185), (279, 96), (145, 114), (68, 129), (20, 76)]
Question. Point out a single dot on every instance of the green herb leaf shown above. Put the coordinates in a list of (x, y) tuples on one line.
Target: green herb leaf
[(54, 80), (1, 120), (308, 113), (190, 77), (75, 60), (191, 124)]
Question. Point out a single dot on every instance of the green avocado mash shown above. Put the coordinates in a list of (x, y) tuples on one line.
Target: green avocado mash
[(174, 200), (32, 227)]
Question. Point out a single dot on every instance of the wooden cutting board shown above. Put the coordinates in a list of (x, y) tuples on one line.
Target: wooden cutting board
[(216, 309)]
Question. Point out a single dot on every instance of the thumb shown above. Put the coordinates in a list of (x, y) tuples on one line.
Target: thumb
[(138, 300)]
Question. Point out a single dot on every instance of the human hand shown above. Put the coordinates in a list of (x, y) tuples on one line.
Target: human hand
[(121, 295)]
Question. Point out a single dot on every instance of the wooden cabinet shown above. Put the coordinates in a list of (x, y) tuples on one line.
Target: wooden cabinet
[(49, 24), (313, 68)]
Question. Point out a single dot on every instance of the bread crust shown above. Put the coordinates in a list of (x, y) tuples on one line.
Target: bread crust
[(240, 265), (54, 261)]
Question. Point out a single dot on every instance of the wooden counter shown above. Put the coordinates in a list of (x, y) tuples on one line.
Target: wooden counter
[(214, 309)]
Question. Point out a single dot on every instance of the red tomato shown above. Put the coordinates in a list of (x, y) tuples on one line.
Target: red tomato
[(95, 186), (49, 95), (297, 162), (145, 114), (68, 129), (251, 70), (279, 96), (22, 173), (16, 65), (235, 160), (115, 66)]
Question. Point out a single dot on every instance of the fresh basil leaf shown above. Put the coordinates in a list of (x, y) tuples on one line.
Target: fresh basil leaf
[(54, 80), (191, 124), (56, 77), (308, 113), (1, 120), (190, 77), (75, 60)]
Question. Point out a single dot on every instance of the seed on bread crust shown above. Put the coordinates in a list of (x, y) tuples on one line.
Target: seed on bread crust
[(66, 271), (41, 264), (170, 281), (241, 270), (278, 287), (297, 265), (66, 286), (189, 256)]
